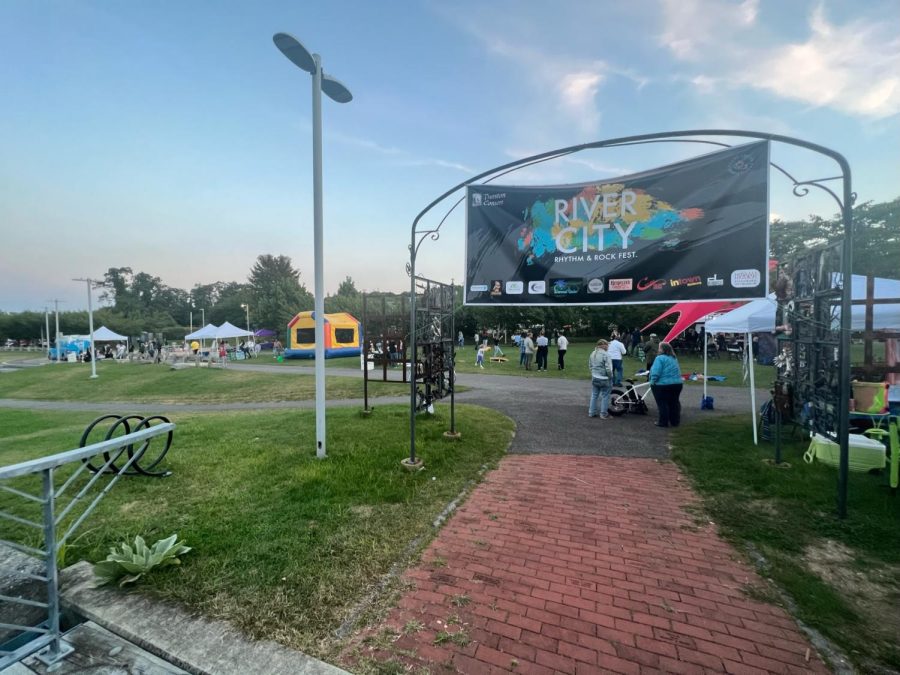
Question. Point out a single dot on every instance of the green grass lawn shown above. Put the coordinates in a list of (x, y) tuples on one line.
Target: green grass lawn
[(843, 574), (148, 383), (284, 545), (13, 355)]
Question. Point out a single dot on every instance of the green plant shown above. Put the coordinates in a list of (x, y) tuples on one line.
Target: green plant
[(127, 564), (460, 638)]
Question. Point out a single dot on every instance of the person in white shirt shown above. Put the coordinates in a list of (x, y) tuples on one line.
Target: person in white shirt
[(562, 344), (616, 351), (542, 350)]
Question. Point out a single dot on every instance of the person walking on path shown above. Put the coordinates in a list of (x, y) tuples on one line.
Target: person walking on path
[(529, 350), (617, 353), (650, 347), (542, 351), (601, 371), (562, 344), (666, 385)]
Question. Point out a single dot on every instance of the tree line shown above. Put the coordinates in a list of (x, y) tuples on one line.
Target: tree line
[(136, 302)]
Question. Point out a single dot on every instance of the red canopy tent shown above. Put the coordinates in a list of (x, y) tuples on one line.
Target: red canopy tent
[(690, 313)]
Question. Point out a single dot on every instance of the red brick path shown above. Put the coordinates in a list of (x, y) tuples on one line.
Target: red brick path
[(568, 564)]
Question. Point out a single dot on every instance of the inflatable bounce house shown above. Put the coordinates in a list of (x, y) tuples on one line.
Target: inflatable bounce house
[(342, 336)]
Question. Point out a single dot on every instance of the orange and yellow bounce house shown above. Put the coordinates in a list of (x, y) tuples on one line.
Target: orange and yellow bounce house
[(342, 336)]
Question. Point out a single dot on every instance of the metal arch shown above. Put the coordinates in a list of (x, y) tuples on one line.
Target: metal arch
[(800, 189)]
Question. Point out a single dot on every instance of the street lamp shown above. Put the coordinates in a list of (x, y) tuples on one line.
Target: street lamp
[(90, 283), (47, 322), (300, 56), (56, 340), (246, 308)]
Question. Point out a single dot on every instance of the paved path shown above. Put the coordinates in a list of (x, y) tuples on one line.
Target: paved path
[(579, 564)]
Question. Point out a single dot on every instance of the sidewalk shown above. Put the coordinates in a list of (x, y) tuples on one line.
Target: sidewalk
[(578, 564)]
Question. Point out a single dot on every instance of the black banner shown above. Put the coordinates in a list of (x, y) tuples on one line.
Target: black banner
[(695, 230)]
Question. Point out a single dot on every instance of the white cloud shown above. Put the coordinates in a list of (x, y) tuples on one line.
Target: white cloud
[(693, 26), (566, 88), (852, 67), (402, 157), (577, 97)]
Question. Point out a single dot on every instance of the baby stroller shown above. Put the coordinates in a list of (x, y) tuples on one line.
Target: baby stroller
[(629, 398)]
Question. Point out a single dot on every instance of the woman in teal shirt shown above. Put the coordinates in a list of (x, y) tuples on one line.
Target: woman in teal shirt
[(666, 385)]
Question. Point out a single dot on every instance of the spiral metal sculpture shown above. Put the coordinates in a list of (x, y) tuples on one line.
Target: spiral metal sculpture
[(145, 462)]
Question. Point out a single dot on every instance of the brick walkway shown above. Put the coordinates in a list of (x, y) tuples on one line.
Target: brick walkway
[(564, 564)]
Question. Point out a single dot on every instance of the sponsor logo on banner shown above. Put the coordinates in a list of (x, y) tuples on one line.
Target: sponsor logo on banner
[(619, 284), (742, 164), (714, 280), (745, 278), (648, 284), (537, 287), (686, 281), (595, 286), (492, 199), (478, 288), (515, 287), (563, 287)]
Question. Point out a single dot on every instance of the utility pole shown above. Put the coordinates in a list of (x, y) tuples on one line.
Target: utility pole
[(90, 286), (56, 340), (47, 324)]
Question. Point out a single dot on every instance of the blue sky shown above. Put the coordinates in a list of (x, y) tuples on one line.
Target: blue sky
[(174, 138)]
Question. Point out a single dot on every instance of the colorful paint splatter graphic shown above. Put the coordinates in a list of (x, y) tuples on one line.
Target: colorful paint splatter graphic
[(599, 212)]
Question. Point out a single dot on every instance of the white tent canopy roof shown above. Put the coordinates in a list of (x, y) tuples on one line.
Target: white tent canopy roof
[(228, 330), (759, 316), (104, 334), (206, 333)]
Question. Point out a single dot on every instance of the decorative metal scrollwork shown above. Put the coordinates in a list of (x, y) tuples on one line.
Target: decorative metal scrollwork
[(145, 462)]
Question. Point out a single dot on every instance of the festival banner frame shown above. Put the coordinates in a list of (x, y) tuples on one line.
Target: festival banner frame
[(844, 197), (693, 231)]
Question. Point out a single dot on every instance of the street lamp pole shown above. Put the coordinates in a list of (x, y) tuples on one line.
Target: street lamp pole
[(246, 308), (90, 283), (47, 331), (56, 339), (297, 54)]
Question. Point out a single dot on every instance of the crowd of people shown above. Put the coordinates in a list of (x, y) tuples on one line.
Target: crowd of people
[(606, 365), (662, 371)]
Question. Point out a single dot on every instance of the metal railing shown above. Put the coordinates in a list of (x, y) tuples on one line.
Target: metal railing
[(56, 522)]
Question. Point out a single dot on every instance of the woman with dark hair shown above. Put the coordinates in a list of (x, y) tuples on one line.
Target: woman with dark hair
[(666, 385)]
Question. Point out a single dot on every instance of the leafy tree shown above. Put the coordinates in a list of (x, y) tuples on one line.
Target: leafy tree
[(276, 291), (876, 237), (347, 289)]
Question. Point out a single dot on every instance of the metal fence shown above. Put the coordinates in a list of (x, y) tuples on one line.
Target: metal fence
[(47, 515)]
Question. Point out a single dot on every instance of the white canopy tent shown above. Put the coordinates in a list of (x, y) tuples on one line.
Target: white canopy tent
[(758, 316), (208, 332), (104, 334), (228, 330)]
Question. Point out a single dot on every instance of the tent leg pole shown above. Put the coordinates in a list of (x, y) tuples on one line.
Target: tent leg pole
[(705, 355), (748, 354)]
